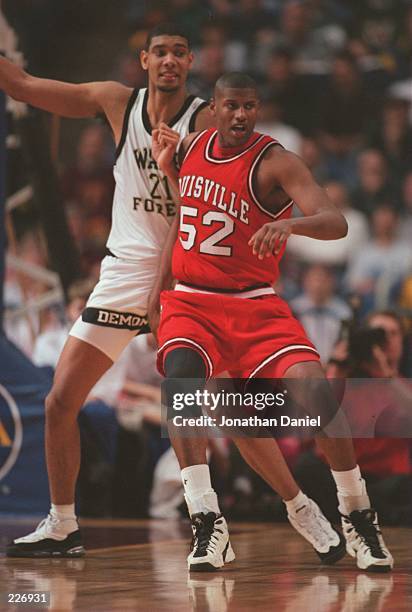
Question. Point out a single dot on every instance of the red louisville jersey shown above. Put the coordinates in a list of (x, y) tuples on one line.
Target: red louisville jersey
[(219, 214)]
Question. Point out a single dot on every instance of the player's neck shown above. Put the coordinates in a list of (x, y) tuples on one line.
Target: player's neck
[(163, 106), (220, 149)]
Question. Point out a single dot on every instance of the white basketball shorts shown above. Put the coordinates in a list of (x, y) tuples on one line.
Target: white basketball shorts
[(116, 310)]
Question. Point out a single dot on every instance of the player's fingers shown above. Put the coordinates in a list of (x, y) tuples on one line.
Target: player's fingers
[(271, 245), (281, 239), (168, 140), (155, 135), (265, 244), (256, 239), (165, 129), (258, 235)]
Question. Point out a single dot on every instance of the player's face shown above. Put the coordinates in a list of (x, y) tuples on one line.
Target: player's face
[(167, 61), (235, 111)]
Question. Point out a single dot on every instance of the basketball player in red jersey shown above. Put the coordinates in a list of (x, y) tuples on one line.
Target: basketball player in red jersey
[(237, 188)]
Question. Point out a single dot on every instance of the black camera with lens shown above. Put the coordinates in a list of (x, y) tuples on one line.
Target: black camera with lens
[(362, 341)]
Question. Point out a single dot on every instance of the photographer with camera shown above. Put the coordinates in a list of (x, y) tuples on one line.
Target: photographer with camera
[(377, 403), (376, 352)]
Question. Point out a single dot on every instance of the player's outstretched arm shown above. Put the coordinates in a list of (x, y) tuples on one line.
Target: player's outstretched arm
[(322, 220), (65, 99)]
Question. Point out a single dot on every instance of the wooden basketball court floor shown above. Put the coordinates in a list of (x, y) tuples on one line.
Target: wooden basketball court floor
[(140, 565)]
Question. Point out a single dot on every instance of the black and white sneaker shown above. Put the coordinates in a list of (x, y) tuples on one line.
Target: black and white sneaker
[(364, 541), (313, 525), (211, 547), (48, 541)]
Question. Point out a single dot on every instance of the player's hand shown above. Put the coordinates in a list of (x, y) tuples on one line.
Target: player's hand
[(270, 238), (164, 144)]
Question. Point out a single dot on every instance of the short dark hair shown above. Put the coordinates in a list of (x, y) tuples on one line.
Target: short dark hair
[(388, 312), (167, 28), (235, 80)]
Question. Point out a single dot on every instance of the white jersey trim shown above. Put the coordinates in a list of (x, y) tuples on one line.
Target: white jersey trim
[(279, 353), (193, 343), (241, 294), (226, 160), (192, 144)]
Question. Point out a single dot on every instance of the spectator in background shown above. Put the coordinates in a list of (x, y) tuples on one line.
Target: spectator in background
[(373, 186), (250, 16), (385, 461), (345, 111), (314, 158), (209, 65), (129, 72), (403, 47), (385, 261), (89, 181), (21, 290), (394, 137), (189, 14), (289, 89), (313, 45), (49, 344), (406, 224), (389, 321), (334, 252), (214, 34), (320, 310), (271, 123), (88, 186)]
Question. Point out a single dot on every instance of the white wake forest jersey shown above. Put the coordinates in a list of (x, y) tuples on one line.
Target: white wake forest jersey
[(143, 205)]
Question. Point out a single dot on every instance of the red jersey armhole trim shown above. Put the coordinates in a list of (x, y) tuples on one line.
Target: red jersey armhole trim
[(252, 194)]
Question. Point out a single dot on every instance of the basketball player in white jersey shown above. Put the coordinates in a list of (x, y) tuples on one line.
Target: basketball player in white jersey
[(143, 210)]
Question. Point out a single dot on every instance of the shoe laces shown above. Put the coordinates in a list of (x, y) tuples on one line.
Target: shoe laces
[(49, 520), (204, 536), (310, 520), (367, 530)]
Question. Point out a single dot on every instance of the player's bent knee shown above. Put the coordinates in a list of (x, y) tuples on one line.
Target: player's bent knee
[(184, 362), (58, 407)]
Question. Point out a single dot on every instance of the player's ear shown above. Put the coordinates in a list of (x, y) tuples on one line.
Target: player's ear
[(191, 58), (144, 59), (212, 106)]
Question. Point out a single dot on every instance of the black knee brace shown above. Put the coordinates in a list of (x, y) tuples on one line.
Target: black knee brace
[(184, 363), (185, 374)]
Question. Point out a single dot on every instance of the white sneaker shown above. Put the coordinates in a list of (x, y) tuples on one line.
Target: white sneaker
[(51, 538), (364, 541), (211, 547), (212, 592), (311, 523)]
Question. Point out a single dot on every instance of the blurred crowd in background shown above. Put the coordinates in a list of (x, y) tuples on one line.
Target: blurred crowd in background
[(335, 78)]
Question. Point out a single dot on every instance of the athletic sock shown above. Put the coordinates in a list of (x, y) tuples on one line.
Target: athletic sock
[(351, 489), (297, 503), (199, 495), (65, 514)]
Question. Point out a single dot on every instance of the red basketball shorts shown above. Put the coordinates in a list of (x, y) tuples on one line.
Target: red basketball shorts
[(247, 337)]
